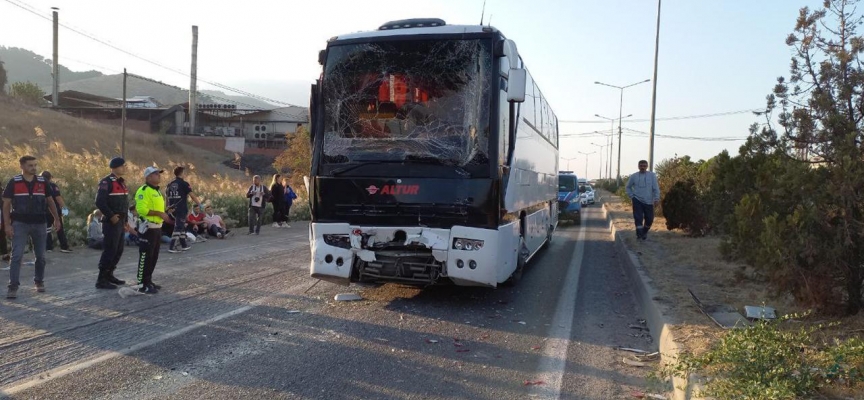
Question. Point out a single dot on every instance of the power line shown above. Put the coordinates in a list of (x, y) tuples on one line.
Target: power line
[(28, 8), (637, 133), (678, 118)]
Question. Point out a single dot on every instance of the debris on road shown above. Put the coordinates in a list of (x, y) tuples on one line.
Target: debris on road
[(535, 347), (522, 323), (462, 350), (294, 312), (432, 341), (533, 383), (632, 350), (644, 328), (648, 357), (347, 297), (640, 395), (633, 363), (724, 316), (158, 377), (127, 291)]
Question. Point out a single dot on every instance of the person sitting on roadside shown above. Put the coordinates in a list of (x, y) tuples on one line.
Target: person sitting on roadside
[(95, 237), (131, 235), (196, 225), (214, 223)]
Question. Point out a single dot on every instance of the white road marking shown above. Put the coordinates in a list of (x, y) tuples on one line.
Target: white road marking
[(554, 361)]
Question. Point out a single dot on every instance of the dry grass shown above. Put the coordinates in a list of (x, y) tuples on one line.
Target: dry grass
[(676, 262), (77, 152)]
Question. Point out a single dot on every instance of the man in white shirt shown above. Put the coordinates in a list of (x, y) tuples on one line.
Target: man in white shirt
[(643, 189), (214, 223)]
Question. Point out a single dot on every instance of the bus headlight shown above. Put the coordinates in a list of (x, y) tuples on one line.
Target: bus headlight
[(338, 241), (467, 244)]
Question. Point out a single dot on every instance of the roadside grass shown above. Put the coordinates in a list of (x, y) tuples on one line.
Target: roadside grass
[(676, 262), (77, 152)]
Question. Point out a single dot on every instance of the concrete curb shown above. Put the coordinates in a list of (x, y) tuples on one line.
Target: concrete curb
[(655, 313)]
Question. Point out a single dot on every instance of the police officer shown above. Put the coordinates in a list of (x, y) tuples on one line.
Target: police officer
[(112, 199), (151, 208), (26, 203), (178, 192)]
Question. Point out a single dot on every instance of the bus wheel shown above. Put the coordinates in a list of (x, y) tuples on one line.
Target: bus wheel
[(521, 260)]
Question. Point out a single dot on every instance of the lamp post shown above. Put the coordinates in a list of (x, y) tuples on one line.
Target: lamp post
[(586, 162), (654, 94), (600, 165), (568, 162), (621, 117), (611, 136)]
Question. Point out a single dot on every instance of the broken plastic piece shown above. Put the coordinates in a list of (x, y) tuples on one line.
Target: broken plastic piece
[(431, 341), (755, 312), (534, 383), (632, 350), (347, 297)]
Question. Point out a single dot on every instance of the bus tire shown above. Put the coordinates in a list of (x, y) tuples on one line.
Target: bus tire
[(521, 260)]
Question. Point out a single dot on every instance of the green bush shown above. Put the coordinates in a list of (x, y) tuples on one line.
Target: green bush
[(768, 361), (683, 208)]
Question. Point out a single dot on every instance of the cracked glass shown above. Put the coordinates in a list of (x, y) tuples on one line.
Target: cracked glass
[(425, 100)]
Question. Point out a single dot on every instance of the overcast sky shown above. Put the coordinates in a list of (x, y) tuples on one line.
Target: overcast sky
[(716, 56)]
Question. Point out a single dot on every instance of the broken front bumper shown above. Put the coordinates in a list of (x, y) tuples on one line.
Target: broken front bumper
[(343, 253)]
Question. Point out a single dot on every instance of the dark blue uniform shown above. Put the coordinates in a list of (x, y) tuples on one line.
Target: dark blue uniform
[(112, 199), (177, 193)]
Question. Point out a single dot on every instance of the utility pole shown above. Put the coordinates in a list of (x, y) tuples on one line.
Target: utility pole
[(600, 167), (193, 86), (55, 87), (123, 120), (568, 162), (611, 136), (586, 162), (620, 118), (654, 94)]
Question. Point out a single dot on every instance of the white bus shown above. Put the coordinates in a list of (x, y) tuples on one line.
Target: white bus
[(435, 158)]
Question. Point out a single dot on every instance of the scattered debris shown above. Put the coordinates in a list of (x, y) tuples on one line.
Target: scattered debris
[(185, 373), (755, 312), (724, 316), (347, 297), (457, 344), (294, 312), (158, 377), (630, 349), (648, 357), (640, 395), (522, 323), (633, 363), (533, 383), (127, 291), (535, 347), (644, 328), (462, 350), (433, 341)]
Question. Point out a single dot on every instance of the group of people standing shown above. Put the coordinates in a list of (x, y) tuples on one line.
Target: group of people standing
[(31, 201), (280, 194)]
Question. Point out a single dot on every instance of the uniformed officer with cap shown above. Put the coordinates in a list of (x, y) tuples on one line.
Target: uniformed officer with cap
[(150, 205), (112, 199)]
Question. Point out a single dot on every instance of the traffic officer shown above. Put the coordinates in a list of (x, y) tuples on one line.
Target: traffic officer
[(112, 199), (151, 211)]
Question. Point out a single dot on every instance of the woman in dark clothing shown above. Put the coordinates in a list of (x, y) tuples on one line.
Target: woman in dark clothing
[(289, 200), (277, 193)]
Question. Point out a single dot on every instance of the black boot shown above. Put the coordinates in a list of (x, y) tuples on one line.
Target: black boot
[(103, 283), (109, 276)]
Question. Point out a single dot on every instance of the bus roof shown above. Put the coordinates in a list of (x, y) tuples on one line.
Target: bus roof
[(429, 30)]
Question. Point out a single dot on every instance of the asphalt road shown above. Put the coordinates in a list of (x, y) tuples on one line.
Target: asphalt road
[(240, 318)]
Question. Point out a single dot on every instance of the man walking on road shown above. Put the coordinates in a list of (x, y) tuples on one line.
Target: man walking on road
[(643, 189), (62, 211), (26, 203), (112, 199), (178, 192), (151, 213)]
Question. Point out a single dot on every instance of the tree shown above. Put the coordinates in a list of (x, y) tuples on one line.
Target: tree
[(28, 92), (818, 245), (3, 79), (296, 160)]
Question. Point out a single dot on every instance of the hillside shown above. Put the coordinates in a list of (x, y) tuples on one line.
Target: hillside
[(24, 65)]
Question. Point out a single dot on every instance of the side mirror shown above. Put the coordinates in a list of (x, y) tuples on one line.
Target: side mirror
[(322, 55), (516, 85)]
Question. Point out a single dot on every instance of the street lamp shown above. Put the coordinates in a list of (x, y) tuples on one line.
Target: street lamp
[(654, 94), (611, 135), (586, 162), (600, 166), (568, 162), (620, 117)]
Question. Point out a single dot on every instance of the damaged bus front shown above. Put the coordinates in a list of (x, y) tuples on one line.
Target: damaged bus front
[(406, 185)]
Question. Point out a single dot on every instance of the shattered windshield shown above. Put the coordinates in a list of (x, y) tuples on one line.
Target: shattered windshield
[(403, 100), (566, 183)]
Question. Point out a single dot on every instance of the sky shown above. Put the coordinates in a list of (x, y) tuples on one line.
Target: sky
[(715, 56)]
